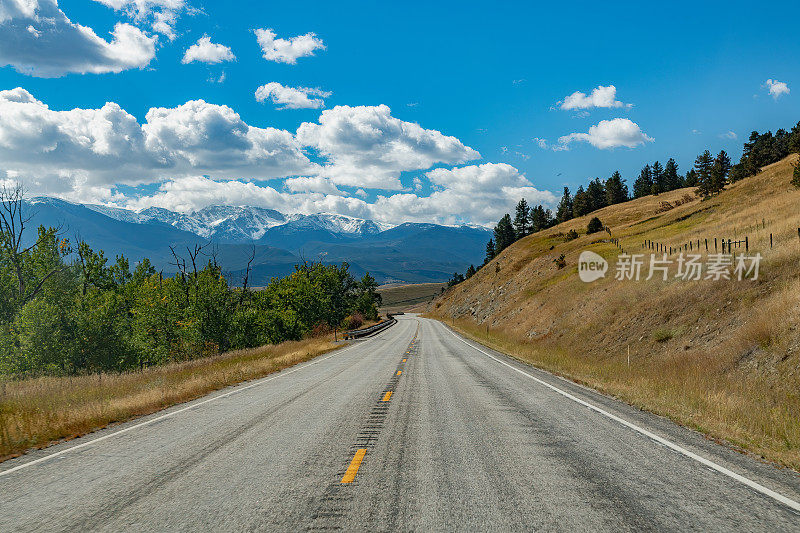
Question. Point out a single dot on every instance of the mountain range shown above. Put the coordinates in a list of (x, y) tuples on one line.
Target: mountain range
[(409, 252)]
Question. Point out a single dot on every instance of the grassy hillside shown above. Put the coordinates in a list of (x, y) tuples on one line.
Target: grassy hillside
[(407, 297), (720, 356)]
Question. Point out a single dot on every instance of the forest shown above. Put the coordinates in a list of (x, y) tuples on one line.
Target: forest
[(66, 309)]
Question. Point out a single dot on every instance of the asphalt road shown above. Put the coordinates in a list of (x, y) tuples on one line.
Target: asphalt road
[(467, 440)]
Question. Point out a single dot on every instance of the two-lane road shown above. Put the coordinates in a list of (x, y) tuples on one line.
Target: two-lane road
[(413, 429)]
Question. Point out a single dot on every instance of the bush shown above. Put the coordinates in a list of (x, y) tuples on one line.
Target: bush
[(594, 225), (353, 321), (663, 334), (571, 235), (560, 262)]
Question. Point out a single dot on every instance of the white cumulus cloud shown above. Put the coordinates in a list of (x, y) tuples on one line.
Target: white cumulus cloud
[(199, 154), (601, 96), (292, 97), (287, 50), (60, 152), (160, 14), (311, 184), (365, 146), (39, 40), (609, 134), (207, 52), (776, 88)]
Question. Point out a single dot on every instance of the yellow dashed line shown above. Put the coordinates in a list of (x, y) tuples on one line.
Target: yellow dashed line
[(399, 372), (387, 396), (404, 360), (352, 470)]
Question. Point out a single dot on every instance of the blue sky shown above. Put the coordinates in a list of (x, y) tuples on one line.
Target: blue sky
[(477, 78)]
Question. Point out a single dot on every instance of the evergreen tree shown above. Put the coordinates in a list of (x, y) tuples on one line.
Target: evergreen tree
[(691, 178), (719, 172), (490, 251), (644, 183), (504, 235), (537, 219), (564, 211), (594, 225), (548, 218), (471, 271), (671, 178), (597, 195), (582, 204), (615, 189), (657, 186), (703, 165), (522, 219), (794, 139)]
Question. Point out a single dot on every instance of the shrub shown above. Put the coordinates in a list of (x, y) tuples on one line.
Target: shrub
[(571, 235), (353, 321), (663, 334), (594, 225), (560, 262)]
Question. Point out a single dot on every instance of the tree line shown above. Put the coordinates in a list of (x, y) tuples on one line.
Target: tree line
[(66, 309), (709, 175)]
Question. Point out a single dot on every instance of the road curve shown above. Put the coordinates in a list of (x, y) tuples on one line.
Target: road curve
[(412, 429)]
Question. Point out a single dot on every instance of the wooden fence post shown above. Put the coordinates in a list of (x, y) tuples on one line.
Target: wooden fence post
[(730, 250), (770, 240), (746, 244), (698, 244), (715, 245)]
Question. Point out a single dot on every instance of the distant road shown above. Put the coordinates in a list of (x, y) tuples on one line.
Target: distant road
[(413, 429)]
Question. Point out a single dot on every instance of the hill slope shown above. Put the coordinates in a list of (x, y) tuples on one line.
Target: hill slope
[(721, 356)]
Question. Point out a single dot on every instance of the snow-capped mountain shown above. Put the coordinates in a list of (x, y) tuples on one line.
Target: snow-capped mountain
[(413, 252), (243, 223)]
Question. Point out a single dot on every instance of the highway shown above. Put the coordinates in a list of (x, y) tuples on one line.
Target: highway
[(414, 429)]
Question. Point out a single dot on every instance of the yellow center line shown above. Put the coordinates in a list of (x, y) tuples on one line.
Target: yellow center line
[(352, 470), (404, 360), (399, 372), (387, 396)]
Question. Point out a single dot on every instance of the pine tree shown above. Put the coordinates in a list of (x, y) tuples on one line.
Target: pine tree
[(582, 204), (644, 183), (594, 225), (719, 172), (703, 166), (657, 186), (597, 195), (537, 219), (504, 235), (615, 189), (690, 180), (794, 139), (490, 251), (471, 271), (564, 211), (672, 179), (522, 219)]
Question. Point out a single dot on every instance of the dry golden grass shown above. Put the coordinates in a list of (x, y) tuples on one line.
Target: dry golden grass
[(406, 297), (719, 356), (41, 411)]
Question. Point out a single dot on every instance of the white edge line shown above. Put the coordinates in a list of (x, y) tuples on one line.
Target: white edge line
[(671, 445), (178, 411)]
